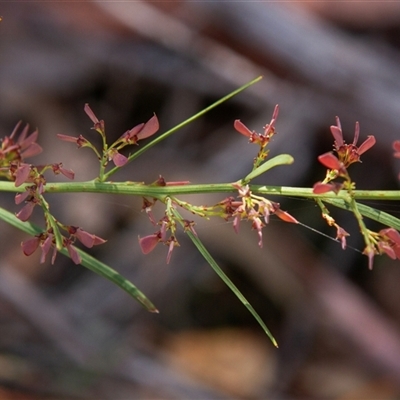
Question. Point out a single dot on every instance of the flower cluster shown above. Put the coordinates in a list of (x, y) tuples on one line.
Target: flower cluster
[(262, 139), (252, 208), (46, 241), (112, 152), (15, 149), (166, 223), (337, 165), (385, 241)]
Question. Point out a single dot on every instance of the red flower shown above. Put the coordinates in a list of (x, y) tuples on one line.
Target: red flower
[(59, 169), (141, 131), (260, 138), (24, 147), (350, 153)]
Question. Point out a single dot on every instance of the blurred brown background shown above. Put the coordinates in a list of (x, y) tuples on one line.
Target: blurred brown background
[(67, 334)]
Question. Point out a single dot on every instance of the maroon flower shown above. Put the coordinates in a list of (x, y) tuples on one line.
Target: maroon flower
[(350, 153), (141, 131), (18, 150), (260, 138), (59, 169)]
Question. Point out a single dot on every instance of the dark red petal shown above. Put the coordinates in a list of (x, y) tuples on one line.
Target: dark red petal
[(73, 253), (20, 197), (33, 150), (387, 249), (22, 174), (242, 128), (366, 145), (330, 161), (285, 216), (119, 159), (392, 234), (90, 114), (67, 138), (275, 113), (149, 129), (86, 238), (26, 211), (148, 243), (356, 133), (67, 172), (337, 134), (320, 188), (25, 143), (30, 246), (15, 130), (46, 246)]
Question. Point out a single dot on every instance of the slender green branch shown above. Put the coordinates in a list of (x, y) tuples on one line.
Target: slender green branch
[(182, 124), (140, 189)]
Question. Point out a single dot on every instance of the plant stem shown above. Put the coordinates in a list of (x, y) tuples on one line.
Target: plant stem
[(140, 189)]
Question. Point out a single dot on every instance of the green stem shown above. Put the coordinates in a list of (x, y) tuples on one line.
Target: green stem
[(140, 189)]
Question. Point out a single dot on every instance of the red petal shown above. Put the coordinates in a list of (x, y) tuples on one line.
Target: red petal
[(148, 243), (30, 246), (22, 174), (90, 114), (320, 188), (366, 145), (330, 161), (337, 134), (242, 128), (150, 128), (119, 160), (283, 215), (26, 211), (73, 253)]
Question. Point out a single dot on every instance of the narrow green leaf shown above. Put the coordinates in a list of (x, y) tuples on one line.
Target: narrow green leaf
[(204, 252), (369, 212), (87, 261), (281, 159)]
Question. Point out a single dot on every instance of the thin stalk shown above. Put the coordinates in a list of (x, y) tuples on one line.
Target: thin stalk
[(140, 189), (182, 124)]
